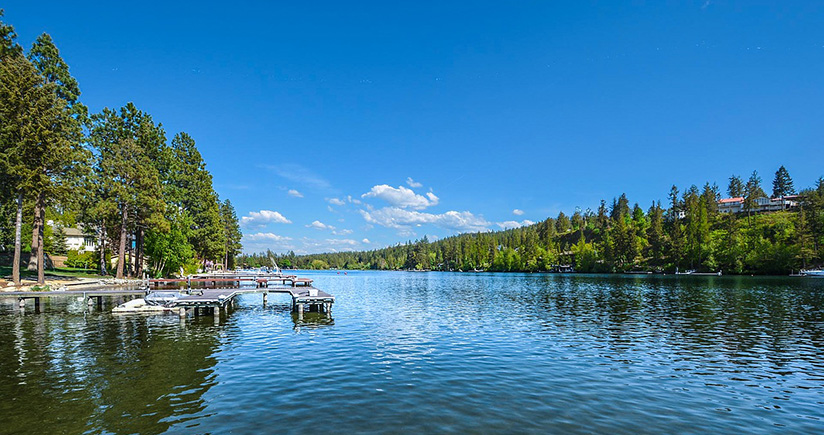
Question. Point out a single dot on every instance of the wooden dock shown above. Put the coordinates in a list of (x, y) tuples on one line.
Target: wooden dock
[(90, 297), (202, 298), (212, 300)]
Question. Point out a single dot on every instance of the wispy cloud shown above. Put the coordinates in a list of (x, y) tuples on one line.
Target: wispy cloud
[(318, 225), (259, 219), (259, 242), (517, 212), (300, 175), (294, 193), (335, 201), (402, 197), (413, 183)]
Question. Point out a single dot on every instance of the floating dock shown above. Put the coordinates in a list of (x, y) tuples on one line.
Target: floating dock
[(212, 300)]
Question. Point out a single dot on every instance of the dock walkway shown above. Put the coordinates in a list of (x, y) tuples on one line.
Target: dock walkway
[(304, 295)]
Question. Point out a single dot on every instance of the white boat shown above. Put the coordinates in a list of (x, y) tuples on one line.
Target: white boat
[(815, 273), (154, 302)]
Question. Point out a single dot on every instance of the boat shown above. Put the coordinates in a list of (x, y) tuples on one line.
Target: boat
[(694, 273), (153, 302), (814, 273)]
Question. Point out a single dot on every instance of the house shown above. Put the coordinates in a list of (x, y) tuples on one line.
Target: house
[(731, 205), (76, 238), (736, 205), (79, 241)]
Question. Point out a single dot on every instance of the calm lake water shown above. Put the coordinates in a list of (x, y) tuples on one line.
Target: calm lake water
[(434, 352)]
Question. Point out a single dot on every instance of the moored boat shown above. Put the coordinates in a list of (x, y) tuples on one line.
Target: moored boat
[(813, 273)]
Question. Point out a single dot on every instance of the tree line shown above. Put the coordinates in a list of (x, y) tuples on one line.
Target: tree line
[(112, 173), (688, 232)]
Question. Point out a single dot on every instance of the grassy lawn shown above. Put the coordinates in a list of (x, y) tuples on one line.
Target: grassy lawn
[(68, 272)]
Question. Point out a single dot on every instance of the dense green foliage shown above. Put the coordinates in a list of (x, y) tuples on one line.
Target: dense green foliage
[(113, 174), (688, 234)]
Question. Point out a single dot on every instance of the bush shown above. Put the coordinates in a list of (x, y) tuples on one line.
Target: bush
[(76, 258)]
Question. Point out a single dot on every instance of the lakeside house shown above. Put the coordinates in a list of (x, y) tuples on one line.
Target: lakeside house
[(77, 239), (736, 205)]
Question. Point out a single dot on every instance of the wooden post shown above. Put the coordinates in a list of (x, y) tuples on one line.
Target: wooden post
[(265, 297), (38, 305), (100, 302), (300, 311)]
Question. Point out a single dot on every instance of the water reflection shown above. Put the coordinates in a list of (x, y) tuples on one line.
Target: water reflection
[(102, 373), (436, 353), (311, 320)]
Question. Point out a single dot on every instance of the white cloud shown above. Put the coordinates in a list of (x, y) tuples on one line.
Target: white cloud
[(518, 212), (402, 197), (335, 201), (413, 183), (514, 224), (262, 241), (342, 232), (394, 217), (311, 246), (318, 225), (259, 219), (258, 237), (295, 193), (366, 241), (352, 200)]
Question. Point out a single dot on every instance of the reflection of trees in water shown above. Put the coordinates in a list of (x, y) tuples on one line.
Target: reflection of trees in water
[(74, 374), (744, 321)]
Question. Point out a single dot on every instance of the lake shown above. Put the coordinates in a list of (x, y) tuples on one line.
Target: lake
[(434, 352)]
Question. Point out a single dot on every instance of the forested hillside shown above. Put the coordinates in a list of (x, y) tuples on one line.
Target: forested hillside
[(688, 233)]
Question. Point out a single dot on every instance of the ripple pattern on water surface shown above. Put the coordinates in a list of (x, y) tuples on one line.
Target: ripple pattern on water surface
[(435, 352)]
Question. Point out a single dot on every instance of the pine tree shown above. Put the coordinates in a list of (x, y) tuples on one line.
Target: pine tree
[(59, 245), (752, 192), (782, 184), (233, 234), (736, 187), (562, 224), (8, 40)]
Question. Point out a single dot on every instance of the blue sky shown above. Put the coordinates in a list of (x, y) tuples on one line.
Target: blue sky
[(356, 125)]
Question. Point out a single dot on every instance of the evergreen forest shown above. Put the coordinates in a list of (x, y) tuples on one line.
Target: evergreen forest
[(147, 202), (687, 233)]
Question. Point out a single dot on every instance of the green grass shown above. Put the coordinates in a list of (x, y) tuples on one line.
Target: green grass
[(67, 272)]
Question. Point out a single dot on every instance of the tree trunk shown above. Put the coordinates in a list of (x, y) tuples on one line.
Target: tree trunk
[(35, 236), (41, 257), (121, 250), (102, 247), (18, 224), (139, 265)]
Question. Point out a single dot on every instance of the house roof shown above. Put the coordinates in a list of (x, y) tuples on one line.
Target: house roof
[(73, 232), (731, 200)]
